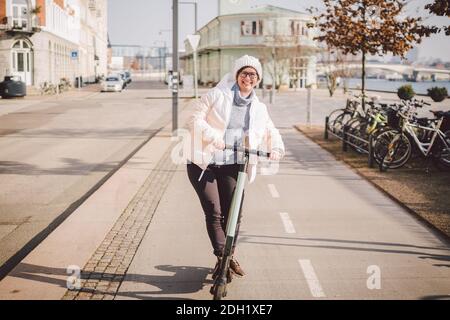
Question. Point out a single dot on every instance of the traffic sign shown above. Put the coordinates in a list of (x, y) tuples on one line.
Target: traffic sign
[(193, 40)]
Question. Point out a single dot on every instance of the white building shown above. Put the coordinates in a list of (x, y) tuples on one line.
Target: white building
[(269, 33), (136, 57), (47, 40)]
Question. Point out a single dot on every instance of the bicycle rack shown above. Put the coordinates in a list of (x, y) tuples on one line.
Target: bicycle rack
[(329, 132), (345, 141), (371, 158)]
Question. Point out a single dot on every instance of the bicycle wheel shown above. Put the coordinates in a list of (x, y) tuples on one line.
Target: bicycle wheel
[(396, 153), (357, 128), (444, 153), (332, 117), (338, 124), (379, 130), (382, 143)]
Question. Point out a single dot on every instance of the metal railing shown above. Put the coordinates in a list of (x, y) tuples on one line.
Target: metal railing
[(345, 141), (22, 24)]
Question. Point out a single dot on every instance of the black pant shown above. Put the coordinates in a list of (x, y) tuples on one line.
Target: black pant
[(215, 191)]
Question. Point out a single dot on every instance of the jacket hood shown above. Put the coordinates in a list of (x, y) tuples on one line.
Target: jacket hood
[(226, 83)]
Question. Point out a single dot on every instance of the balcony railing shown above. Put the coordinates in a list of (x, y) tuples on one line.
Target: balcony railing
[(24, 25)]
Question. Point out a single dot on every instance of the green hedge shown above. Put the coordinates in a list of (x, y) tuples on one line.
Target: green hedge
[(438, 94), (406, 92)]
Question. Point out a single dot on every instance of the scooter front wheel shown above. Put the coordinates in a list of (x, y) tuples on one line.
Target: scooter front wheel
[(220, 291)]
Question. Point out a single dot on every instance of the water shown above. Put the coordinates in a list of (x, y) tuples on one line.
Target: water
[(392, 86)]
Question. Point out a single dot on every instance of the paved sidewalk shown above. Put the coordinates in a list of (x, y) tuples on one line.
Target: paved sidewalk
[(316, 230), (108, 214), (104, 271), (8, 106)]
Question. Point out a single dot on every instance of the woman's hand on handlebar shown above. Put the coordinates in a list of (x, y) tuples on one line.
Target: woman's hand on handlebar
[(275, 155), (219, 144)]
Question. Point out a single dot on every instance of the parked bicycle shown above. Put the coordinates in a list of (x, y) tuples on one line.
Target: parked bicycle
[(47, 88), (339, 117), (392, 133), (361, 127), (64, 85), (398, 145)]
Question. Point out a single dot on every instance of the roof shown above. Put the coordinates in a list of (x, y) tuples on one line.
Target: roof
[(273, 10), (264, 9)]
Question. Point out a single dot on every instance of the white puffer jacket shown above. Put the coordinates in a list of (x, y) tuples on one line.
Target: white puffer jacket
[(210, 120)]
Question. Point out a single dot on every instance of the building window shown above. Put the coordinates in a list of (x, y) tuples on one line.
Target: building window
[(251, 28), (20, 63), (295, 28), (304, 31), (19, 9), (298, 29)]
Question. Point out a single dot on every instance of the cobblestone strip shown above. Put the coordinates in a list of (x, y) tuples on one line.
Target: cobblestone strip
[(105, 270)]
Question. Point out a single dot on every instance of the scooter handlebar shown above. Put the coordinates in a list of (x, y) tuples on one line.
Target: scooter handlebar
[(248, 151)]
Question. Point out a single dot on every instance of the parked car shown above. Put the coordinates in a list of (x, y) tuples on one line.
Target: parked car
[(113, 83), (12, 87)]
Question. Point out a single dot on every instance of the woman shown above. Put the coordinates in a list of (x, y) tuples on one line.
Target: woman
[(229, 114)]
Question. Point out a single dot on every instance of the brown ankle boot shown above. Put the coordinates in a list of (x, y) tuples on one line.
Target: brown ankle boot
[(236, 268)]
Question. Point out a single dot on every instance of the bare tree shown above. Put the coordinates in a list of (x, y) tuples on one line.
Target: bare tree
[(336, 66), (277, 56)]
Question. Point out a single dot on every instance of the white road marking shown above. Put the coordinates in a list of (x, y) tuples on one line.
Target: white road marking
[(287, 222), (311, 279), (273, 191)]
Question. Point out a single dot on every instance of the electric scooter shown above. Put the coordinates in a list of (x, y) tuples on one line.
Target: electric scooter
[(219, 289)]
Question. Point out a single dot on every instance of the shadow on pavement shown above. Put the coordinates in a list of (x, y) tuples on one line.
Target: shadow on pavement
[(69, 166), (302, 243), (182, 280)]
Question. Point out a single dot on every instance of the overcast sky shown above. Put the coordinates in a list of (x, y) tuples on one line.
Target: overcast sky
[(149, 22)]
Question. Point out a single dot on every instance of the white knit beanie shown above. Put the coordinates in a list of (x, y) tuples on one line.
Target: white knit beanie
[(247, 61)]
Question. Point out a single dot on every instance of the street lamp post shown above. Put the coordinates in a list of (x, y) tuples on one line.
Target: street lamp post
[(175, 66), (175, 72), (195, 9)]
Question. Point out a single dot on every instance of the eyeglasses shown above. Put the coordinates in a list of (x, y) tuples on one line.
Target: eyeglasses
[(251, 75)]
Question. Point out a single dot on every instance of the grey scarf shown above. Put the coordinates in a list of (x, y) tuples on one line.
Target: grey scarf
[(238, 99)]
